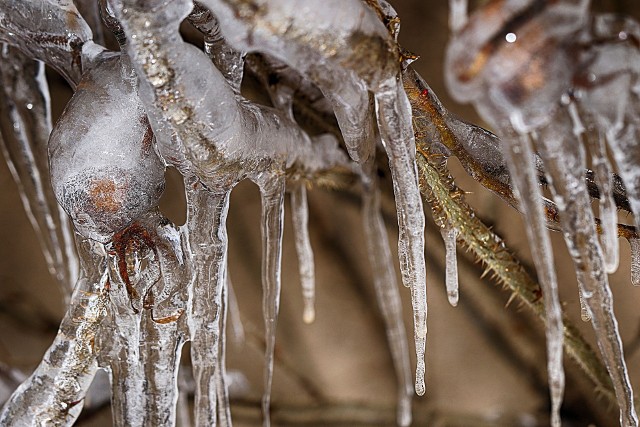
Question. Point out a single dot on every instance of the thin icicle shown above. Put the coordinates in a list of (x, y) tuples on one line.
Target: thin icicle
[(300, 218), (206, 211), (394, 114), (54, 393), (449, 235), (635, 261), (520, 160), (272, 192), (387, 293), (565, 162)]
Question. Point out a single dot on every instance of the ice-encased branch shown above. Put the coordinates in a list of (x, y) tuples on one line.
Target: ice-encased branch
[(57, 40), (54, 393)]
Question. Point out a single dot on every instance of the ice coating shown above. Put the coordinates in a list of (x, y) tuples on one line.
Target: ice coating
[(25, 124), (386, 287), (611, 63), (54, 393), (229, 61), (59, 38), (449, 235), (105, 180), (143, 345), (509, 81)]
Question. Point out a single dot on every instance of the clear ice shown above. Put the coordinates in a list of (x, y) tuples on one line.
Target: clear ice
[(344, 74), (147, 286), (532, 90), (449, 235)]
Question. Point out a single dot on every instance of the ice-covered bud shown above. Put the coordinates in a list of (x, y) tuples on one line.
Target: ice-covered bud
[(104, 169)]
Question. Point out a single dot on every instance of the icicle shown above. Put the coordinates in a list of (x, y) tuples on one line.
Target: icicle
[(25, 125), (386, 286), (520, 160), (206, 211), (635, 261), (457, 14), (54, 393), (595, 139), (394, 114), (565, 162), (300, 218), (162, 334), (608, 209), (449, 235), (272, 192)]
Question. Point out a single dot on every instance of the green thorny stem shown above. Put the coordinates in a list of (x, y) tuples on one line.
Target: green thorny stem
[(449, 208)]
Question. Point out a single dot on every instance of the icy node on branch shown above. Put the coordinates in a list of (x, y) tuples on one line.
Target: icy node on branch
[(104, 168)]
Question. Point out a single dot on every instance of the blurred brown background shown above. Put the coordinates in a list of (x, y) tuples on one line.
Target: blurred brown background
[(486, 363)]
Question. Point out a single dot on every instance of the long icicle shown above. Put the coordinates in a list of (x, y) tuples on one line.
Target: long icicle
[(386, 287), (520, 159), (394, 114), (272, 193), (206, 211)]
